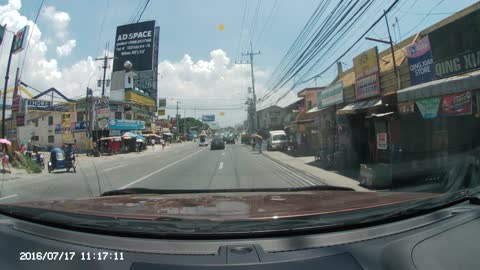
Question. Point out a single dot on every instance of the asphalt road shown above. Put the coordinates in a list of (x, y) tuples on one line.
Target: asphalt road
[(183, 166)]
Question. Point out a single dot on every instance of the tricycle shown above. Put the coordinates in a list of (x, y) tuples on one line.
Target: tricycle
[(58, 160)]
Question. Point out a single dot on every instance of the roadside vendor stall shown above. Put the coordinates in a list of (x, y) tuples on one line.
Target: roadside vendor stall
[(111, 145)]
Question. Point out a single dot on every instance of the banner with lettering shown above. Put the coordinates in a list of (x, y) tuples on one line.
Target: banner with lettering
[(420, 61), (457, 104)]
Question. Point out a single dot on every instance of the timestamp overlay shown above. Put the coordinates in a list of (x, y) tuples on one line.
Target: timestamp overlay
[(71, 256)]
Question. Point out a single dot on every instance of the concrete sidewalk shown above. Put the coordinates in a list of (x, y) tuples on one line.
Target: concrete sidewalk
[(300, 163)]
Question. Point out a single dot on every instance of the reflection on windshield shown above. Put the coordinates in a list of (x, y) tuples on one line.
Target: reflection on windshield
[(320, 108)]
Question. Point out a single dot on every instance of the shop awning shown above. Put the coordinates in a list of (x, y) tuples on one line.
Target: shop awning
[(310, 115), (441, 87), (360, 105)]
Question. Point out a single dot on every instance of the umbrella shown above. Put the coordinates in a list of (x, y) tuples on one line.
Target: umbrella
[(256, 136), (129, 135), (5, 141)]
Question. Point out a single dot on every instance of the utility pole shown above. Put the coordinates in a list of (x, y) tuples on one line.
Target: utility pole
[(254, 103), (392, 50), (105, 59), (176, 118), (6, 85)]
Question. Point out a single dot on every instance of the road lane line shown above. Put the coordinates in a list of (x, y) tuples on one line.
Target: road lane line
[(164, 168), (220, 166), (8, 197), (113, 168)]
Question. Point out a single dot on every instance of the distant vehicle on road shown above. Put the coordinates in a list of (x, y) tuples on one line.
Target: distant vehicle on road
[(203, 139), (230, 139), (217, 143), (278, 140)]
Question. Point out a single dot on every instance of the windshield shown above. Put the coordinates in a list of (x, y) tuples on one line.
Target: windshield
[(281, 137), (239, 110)]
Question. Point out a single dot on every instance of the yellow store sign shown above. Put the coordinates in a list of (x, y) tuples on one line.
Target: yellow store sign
[(135, 97)]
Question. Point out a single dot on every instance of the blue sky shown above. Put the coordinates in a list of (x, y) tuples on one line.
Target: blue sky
[(193, 52), (190, 26)]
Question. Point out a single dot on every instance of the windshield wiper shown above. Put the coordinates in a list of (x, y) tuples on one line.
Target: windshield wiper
[(133, 191)]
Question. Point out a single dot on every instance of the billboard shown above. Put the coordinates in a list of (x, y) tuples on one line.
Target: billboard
[(134, 43), (20, 40), (208, 118), (2, 33), (331, 95), (102, 108), (420, 61), (162, 102), (456, 46), (367, 74)]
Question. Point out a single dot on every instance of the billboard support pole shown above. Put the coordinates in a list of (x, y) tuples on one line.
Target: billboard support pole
[(6, 86)]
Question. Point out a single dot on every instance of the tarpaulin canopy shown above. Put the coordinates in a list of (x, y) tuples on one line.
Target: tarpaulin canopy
[(441, 87), (129, 135), (360, 105)]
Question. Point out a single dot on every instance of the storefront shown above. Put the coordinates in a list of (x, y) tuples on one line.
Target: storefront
[(438, 120)]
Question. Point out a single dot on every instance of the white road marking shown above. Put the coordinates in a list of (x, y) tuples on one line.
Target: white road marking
[(8, 197), (220, 166), (293, 173), (113, 168), (164, 168), (223, 153)]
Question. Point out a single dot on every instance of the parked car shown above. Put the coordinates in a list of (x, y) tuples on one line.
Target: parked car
[(217, 143), (278, 140)]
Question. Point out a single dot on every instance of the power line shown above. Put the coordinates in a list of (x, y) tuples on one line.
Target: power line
[(267, 22), (143, 10), (241, 29), (30, 36), (254, 21), (353, 45), (424, 18)]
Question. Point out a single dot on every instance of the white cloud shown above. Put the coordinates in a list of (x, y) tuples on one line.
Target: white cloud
[(59, 20), (37, 69), (215, 82), (66, 48)]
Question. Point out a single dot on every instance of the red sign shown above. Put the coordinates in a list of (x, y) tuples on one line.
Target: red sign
[(20, 120), (457, 104), (16, 103)]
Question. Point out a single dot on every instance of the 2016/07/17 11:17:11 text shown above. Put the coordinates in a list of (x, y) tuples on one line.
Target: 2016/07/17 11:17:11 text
[(70, 255)]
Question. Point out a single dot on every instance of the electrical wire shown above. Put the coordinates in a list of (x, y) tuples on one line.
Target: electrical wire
[(267, 22), (353, 45), (30, 36), (143, 10), (241, 30), (254, 20), (424, 18)]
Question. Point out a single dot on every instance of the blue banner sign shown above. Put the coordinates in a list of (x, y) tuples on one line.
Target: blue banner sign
[(208, 118), (420, 61), (116, 124)]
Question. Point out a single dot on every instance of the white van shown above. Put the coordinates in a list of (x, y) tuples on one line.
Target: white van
[(278, 140)]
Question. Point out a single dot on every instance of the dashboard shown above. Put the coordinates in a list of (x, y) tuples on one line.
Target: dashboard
[(445, 239)]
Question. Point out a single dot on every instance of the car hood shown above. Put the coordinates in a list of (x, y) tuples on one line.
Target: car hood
[(228, 206)]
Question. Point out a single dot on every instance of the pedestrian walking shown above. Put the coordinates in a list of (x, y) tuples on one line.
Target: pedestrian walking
[(162, 141), (5, 160), (152, 141)]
